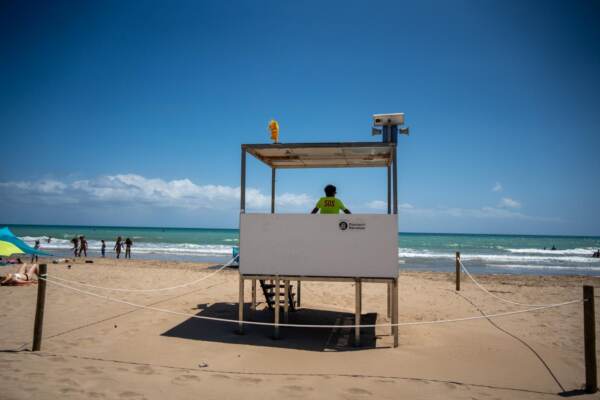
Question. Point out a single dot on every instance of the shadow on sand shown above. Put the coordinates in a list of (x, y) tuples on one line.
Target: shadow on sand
[(312, 339)]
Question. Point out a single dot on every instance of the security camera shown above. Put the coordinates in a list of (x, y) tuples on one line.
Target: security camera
[(388, 119)]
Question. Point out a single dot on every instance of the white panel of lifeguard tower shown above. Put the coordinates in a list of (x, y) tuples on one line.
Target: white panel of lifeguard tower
[(357, 245)]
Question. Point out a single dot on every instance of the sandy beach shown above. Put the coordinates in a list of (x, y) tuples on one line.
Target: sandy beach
[(97, 348)]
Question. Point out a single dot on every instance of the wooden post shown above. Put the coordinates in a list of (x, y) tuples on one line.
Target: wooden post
[(286, 301), (298, 292), (389, 189), (395, 311), (276, 299), (589, 334), (241, 306), (395, 173), (39, 309), (389, 299), (458, 270), (272, 190), (243, 182), (357, 311), (253, 305)]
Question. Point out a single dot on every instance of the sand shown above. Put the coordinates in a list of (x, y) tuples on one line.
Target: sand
[(94, 348)]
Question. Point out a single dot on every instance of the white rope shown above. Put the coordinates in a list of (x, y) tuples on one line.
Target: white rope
[(233, 321), (500, 298), (150, 290)]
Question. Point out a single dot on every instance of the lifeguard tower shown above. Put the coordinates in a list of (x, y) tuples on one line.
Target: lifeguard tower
[(277, 250)]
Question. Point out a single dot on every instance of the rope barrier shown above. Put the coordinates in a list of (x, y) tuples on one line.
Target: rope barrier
[(233, 321), (506, 300), (227, 264)]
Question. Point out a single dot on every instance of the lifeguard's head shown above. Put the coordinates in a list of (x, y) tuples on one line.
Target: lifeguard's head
[(330, 190)]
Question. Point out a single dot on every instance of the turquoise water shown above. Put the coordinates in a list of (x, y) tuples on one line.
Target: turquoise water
[(507, 254)]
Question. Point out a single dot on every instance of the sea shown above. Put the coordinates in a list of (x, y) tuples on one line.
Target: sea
[(481, 254)]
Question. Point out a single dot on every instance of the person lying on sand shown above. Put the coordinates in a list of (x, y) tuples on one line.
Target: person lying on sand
[(23, 276)]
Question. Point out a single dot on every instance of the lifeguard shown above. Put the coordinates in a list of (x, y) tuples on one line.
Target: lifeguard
[(330, 204)]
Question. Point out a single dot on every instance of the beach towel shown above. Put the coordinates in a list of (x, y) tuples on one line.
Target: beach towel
[(13, 283)]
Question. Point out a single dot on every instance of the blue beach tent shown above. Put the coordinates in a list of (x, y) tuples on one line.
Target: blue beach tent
[(10, 244)]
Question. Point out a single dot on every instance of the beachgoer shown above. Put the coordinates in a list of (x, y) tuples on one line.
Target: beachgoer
[(553, 247), (103, 248), (23, 275), (75, 242), (36, 246), (596, 254), (330, 204), (128, 243), (82, 246), (118, 246), (49, 239)]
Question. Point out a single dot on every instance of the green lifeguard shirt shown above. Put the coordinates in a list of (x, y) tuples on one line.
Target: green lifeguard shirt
[(330, 205)]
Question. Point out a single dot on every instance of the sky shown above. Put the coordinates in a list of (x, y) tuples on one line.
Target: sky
[(132, 113)]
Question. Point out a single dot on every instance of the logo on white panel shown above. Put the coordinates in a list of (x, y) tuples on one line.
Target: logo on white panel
[(344, 225)]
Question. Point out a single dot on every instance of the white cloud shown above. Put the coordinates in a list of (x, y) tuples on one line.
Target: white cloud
[(377, 205), (382, 205), (497, 187), (509, 203), (485, 212), (132, 189)]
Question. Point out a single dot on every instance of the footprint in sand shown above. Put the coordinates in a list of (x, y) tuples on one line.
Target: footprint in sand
[(296, 389), (359, 391), (131, 395), (68, 381), (221, 376), (132, 332), (87, 341), (57, 359), (71, 391), (144, 369), (186, 378), (96, 395), (92, 370), (250, 380), (65, 371)]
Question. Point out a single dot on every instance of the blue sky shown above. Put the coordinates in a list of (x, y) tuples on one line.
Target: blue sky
[(132, 113)]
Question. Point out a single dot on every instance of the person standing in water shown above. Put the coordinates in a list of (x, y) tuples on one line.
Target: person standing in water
[(128, 243), (36, 246), (330, 204), (118, 246), (75, 242), (82, 246), (103, 248)]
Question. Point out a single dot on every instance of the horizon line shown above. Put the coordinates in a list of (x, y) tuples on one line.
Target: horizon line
[(237, 229)]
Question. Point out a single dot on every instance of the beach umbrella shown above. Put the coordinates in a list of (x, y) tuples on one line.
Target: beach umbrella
[(10, 244)]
